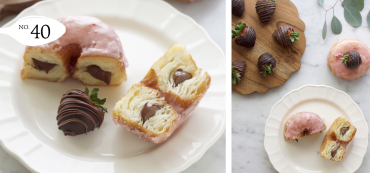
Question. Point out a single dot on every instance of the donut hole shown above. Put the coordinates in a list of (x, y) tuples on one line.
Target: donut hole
[(72, 52)]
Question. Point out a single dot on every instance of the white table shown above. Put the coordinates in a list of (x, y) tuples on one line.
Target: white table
[(211, 15), (250, 112)]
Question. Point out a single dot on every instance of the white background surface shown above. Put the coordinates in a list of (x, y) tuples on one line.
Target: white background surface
[(211, 15), (250, 112)]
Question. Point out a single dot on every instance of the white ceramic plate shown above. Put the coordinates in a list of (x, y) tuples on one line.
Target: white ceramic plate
[(147, 28), (302, 156)]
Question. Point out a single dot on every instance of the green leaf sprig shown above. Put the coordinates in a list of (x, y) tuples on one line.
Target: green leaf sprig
[(352, 15), (94, 98), (268, 69), (238, 29), (235, 75), (294, 36), (273, 0), (345, 58)]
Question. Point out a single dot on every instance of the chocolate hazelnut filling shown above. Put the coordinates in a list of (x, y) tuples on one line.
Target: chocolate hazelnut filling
[(180, 76), (149, 111), (42, 66), (334, 151), (98, 73), (343, 130)]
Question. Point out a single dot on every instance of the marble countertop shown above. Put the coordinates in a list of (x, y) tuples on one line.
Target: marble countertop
[(210, 14), (250, 112)]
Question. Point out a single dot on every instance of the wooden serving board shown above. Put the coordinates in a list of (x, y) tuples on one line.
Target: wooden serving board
[(12, 7), (287, 58)]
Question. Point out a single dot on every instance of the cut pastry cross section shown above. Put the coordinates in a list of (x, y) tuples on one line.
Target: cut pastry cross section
[(333, 150), (144, 112), (178, 79), (89, 50), (340, 133), (342, 129), (303, 124), (44, 66)]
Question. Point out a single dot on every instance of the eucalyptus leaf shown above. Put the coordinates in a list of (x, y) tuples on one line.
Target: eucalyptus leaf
[(357, 4), (324, 31), (336, 26), (368, 19), (352, 16), (321, 2)]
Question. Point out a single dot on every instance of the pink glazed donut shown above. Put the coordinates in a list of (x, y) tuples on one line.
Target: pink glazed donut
[(336, 65), (303, 124)]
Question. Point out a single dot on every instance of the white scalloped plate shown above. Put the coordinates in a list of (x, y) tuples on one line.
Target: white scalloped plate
[(147, 28), (329, 103)]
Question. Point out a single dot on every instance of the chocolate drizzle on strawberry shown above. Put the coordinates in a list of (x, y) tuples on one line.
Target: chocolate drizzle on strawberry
[(240, 65), (77, 114), (265, 9), (247, 38), (352, 59), (266, 64), (238, 7), (284, 34)]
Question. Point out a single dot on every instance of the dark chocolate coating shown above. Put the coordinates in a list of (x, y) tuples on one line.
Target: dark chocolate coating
[(343, 130), (238, 7), (180, 76), (98, 73), (248, 39), (281, 35), (265, 9), (266, 59), (42, 66), (149, 111), (354, 59), (77, 114), (334, 151), (240, 65)]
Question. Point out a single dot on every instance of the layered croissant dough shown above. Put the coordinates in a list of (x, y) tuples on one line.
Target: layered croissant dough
[(146, 114), (155, 107), (44, 66), (179, 79), (99, 71), (89, 50), (340, 133), (332, 150)]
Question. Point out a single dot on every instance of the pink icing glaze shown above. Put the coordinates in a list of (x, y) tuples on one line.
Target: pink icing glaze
[(343, 46), (94, 36), (304, 121)]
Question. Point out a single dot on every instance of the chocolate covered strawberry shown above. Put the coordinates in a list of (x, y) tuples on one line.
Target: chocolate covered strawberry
[(244, 35), (266, 64), (265, 9), (238, 70), (237, 7), (351, 59), (285, 35)]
